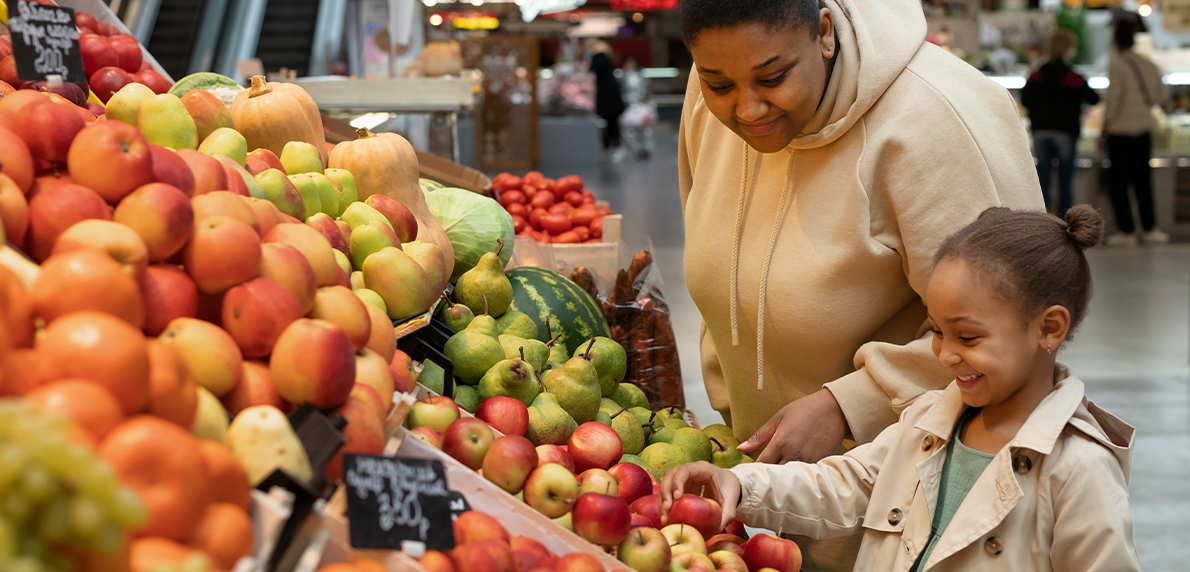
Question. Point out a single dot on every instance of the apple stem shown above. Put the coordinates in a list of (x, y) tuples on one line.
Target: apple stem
[(485, 303), (500, 249), (622, 409)]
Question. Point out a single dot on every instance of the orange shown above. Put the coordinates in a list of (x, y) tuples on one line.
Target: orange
[(88, 403), (103, 349), (228, 479), (94, 560), (225, 534), (173, 393), (21, 370), (149, 553), (366, 565), (87, 280), (163, 464), (18, 310), (340, 567)]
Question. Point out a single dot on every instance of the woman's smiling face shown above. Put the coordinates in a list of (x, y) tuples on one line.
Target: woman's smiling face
[(763, 83)]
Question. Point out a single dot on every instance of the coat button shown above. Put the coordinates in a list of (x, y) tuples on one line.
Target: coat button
[(927, 443), (894, 516), (993, 545), (1021, 464)]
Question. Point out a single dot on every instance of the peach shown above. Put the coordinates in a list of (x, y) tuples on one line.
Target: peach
[(161, 214), (256, 312), (14, 210), (383, 339), (18, 162), (170, 169), (368, 395), (110, 158), (313, 362), (210, 353), (372, 370), (266, 213), (224, 203), (255, 388), (86, 280), (222, 253), (312, 245), (169, 294), (341, 307), (325, 225), (208, 173), (118, 241), (286, 266), (404, 378), (53, 210)]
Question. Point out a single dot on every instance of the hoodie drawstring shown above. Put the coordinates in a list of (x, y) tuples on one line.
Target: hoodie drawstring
[(768, 261)]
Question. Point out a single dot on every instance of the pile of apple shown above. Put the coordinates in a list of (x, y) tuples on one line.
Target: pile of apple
[(551, 211), (482, 544)]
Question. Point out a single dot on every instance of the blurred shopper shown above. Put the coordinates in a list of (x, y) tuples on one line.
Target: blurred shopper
[(1055, 95), (609, 101), (1135, 88)]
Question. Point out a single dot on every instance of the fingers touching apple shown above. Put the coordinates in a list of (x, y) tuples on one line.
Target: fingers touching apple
[(715, 483)]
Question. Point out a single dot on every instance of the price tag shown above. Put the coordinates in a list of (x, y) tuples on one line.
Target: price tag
[(45, 41), (458, 505), (390, 500)]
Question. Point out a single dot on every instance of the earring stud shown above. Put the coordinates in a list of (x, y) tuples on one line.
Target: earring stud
[(1049, 349)]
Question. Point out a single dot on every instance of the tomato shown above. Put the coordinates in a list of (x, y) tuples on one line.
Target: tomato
[(97, 53), (532, 178), (567, 238), (127, 52), (517, 209), (588, 201), (542, 201), (555, 223), (506, 182), (575, 199), (583, 232), (536, 216), (562, 208), (82, 19), (588, 194), (604, 211), (518, 223), (584, 215), (103, 29), (597, 228), (529, 192), (592, 241), (512, 197), (571, 183)]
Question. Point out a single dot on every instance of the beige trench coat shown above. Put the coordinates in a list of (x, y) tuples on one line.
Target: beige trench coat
[(1055, 498)]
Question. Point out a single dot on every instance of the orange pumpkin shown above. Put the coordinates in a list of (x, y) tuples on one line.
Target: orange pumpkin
[(271, 114)]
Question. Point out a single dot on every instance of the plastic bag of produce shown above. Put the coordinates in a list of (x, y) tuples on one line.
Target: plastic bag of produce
[(473, 223)]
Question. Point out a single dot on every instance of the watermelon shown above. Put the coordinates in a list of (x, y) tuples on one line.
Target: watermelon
[(546, 295)]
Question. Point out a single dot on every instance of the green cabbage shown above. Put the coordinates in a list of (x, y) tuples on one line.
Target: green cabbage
[(473, 223)]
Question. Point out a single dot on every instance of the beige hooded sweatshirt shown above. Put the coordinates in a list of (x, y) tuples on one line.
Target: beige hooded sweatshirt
[(810, 265)]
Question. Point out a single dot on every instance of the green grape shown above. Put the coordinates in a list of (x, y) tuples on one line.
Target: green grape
[(23, 564), (54, 521), (12, 464), (8, 540), (108, 538), (126, 509), (38, 485), (16, 507), (54, 455), (32, 546), (86, 517), (95, 479)]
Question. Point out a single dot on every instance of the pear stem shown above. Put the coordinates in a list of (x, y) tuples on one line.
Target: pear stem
[(522, 353), (553, 340), (550, 334), (500, 249), (622, 409), (540, 382), (587, 354), (652, 414), (717, 443), (485, 304)]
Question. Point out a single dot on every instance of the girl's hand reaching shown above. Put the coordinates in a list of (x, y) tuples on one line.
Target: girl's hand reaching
[(715, 483)]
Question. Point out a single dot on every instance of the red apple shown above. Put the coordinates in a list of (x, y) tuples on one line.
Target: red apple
[(207, 171), (312, 245), (509, 416), (727, 560), (436, 412), (768, 551), (18, 162), (551, 489), (601, 519), (106, 81), (737, 528), (268, 158), (554, 454), (341, 307), (639, 521), (52, 211), (153, 80), (110, 158), (578, 562), (162, 216), (368, 395), (286, 266), (728, 542), (428, 436), (594, 446), (127, 50), (255, 388), (97, 53), (402, 220), (364, 433), (467, 440), (531, 554), (634, 482), (488, 555), (325, 225), (170, 169), (509, 461), (705, 515), (222, 253), (256, 312), (401, 365), (645, 550), (48, 129), (691, 562), (473, 526), (313, 362), (648, 507)]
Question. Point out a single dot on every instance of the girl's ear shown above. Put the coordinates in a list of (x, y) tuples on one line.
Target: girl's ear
[(1055, 324), (826, 33)]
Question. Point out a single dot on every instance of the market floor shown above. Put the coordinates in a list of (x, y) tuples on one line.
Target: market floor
[(1133, 350)]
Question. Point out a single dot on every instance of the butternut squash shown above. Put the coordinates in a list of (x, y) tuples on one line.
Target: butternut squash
[(271, 114), (385, 164)]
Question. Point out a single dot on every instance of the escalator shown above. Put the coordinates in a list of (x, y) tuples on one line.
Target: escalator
[(175, 33)]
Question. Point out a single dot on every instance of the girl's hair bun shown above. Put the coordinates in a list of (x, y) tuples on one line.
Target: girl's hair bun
[(1084, 226)]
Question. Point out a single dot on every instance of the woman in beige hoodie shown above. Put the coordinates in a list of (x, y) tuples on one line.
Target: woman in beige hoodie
[(826, 150)]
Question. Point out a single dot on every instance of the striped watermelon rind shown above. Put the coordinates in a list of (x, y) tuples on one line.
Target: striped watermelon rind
[(547, 295)]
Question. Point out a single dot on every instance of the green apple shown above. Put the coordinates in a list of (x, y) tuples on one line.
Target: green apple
[(358, 213), (368, 239), (164, 121), (300, 157), (279, 190), (357, 280), (326, 194), (344, 183), (226, 143), (371, 297), (123, 105), (308, 189)]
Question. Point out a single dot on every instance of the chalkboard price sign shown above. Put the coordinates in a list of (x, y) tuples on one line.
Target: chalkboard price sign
[(390, 500), (45, 41)]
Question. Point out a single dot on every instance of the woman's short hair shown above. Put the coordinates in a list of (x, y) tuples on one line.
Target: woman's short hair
[(1125, 33), (1061, 42), (694, 16)]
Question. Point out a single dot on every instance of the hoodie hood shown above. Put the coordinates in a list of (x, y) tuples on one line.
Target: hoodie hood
[(876, 39)]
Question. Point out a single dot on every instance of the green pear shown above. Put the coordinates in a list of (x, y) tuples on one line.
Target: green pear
[(124, 103), (661, 434), (280, 191), (694, 442), (301, 157), (368, 239), (718, 430), (164, 121), (403, 285), (576, 385), (535, 351), (642, 414), (326, 194), (513, 378), (457, 316), (345, 190), (557, 356), (629, 395), (467, 397), (474, 350), (517, 324), (609, 360), (609, 406), (664, 456), (432, 376), (358, 213), (549, 424), (308, 189), (604, 418), (371, 297), (636, 460), (225, 142), (672, 412), (724, 455), (632, 435), (486, 278), (357, 280)]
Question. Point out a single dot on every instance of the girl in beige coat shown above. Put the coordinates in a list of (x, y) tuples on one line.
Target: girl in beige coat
[(1010, 467)]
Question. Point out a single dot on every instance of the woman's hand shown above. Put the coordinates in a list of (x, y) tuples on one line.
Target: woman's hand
[(715, 483), (806, 430)]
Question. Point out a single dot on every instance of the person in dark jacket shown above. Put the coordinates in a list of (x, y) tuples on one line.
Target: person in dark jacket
[(609, 100), (1054, 96)]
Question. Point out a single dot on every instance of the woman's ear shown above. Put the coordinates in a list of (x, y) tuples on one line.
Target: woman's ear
[(826, 33), (1055, 324)]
